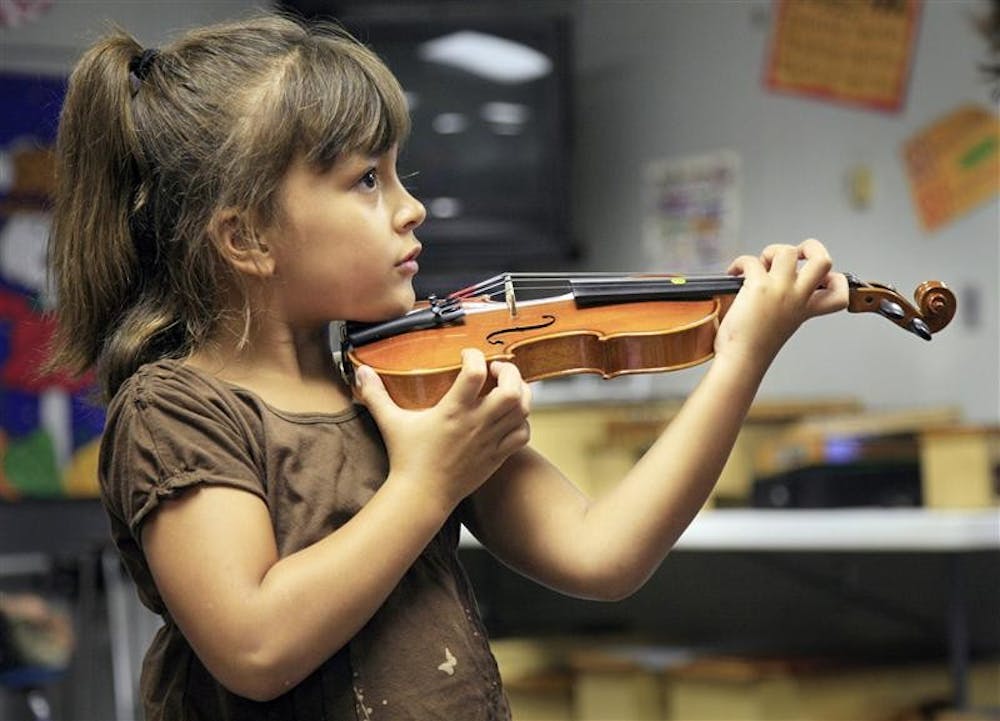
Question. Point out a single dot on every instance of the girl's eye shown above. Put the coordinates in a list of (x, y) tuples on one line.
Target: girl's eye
[(370, 179)]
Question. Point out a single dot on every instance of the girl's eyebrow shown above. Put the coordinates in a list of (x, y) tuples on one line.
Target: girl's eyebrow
[(360, 158), (351, 162)]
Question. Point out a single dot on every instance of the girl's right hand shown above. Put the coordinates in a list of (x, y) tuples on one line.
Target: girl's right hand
[(453, 447)]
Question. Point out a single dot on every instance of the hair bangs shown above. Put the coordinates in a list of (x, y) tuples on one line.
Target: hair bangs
[(356, 106)]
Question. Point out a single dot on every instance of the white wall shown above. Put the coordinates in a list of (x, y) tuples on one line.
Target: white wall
[(672, 78)]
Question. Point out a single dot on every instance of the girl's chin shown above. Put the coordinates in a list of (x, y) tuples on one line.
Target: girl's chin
[(410, 299), (407, 301)]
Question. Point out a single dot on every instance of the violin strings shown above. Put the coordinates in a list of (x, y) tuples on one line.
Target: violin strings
[(497, 289), (531, 281), (496, 286)]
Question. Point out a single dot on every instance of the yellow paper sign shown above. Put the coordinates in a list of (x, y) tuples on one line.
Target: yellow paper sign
[(852, 51), (954, 164)]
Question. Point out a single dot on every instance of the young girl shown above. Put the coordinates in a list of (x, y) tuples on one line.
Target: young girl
[(220, 201)]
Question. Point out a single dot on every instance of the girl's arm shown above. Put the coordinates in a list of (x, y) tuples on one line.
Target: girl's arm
[(539, 523), (261, 623)]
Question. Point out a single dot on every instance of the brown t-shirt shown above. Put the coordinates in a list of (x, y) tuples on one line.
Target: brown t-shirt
[(424, 655)]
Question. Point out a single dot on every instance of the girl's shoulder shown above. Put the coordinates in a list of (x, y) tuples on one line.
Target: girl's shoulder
[(168, 375), (171, 383), (170, 397), (170, 427)]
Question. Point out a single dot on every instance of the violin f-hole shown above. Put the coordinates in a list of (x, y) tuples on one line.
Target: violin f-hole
[(491, 338)]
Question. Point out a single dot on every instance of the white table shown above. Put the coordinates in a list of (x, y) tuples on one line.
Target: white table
[(953, 533), (852, 529)]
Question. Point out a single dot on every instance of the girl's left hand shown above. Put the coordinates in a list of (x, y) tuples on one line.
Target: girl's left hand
[(451, 448), (782, 289)]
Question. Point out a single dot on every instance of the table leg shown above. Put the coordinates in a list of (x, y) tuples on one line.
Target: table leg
[(958, 633)]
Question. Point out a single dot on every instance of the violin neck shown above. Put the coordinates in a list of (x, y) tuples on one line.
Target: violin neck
[(595, 288), (592, 292)]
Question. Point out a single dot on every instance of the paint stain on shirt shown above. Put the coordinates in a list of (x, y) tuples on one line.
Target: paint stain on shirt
[(449, 662)]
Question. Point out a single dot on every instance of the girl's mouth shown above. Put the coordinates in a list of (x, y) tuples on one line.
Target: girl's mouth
[(409, 264)]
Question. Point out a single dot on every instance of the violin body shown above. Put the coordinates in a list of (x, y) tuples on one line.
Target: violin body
[(547, 340), (606, 326)]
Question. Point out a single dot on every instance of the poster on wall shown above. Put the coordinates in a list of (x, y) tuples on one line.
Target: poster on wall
[(691, 214), (49, 427), (953, 165), (858, 53)]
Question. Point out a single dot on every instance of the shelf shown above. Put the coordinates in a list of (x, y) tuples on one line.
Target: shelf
[(853, 529)]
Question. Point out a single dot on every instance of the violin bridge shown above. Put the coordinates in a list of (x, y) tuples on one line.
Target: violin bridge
[(509, 295)]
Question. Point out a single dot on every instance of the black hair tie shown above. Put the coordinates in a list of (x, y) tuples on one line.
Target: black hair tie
[(138, 68)]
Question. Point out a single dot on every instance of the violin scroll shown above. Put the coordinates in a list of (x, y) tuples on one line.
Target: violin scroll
[(934, 309), (937, 303)]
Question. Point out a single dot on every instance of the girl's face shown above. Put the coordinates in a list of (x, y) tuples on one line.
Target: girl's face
[(345, 248)]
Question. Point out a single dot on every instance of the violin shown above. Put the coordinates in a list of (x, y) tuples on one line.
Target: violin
[(603, 323)]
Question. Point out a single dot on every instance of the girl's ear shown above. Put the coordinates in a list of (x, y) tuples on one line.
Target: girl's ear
[(240, 245)]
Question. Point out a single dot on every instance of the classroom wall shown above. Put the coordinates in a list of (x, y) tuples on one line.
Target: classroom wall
[(669, 78), (665, 79), (53, 42)]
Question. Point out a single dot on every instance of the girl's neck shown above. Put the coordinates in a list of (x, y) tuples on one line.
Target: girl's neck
[(294, 372)]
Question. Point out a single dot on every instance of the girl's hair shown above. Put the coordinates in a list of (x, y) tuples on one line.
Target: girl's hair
[(152, 144)]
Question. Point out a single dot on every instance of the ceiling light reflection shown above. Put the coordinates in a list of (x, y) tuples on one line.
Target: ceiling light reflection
[(489, 56)]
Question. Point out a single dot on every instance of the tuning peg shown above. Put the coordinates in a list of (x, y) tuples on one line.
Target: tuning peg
[(891, 309), (920, 328)]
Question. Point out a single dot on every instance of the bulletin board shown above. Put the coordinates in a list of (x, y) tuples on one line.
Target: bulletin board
[(691, 212), (49, 426), (953, 164), (857, 52)]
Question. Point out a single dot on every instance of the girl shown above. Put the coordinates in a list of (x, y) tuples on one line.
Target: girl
[(220, 201)]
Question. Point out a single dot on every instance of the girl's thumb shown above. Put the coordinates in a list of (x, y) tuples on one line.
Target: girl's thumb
[(369, 388)]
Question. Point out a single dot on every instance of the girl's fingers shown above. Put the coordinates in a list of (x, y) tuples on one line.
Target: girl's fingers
[(508, 377), (745, 265), (510, 386), (816, 269), (371, 392), (469, 383), (516, 439), (831, 297), (513, 397), (767, 255), (781, 260), (808, 264), (525, 398)]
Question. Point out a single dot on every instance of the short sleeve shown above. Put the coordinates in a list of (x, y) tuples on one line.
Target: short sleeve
[(168, 429)]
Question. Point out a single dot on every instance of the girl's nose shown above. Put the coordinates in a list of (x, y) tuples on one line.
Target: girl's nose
[(411, 213)]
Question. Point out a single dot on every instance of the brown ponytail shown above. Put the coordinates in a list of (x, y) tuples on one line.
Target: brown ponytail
[(96, 173)]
